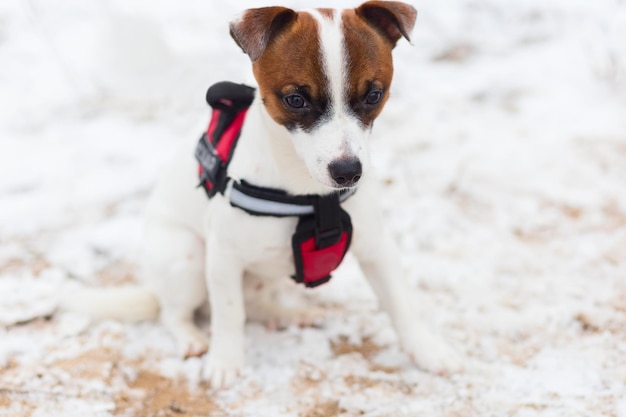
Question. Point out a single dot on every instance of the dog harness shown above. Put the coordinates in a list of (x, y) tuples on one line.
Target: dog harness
[(324, 231)]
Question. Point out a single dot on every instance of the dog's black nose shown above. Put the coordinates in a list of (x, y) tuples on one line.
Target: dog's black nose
[(345, 172)]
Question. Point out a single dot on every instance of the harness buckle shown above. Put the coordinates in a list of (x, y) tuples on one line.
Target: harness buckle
[(212, 170), (325, 238)]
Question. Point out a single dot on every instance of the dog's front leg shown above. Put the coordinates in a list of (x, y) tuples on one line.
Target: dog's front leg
[(381, 268), (224, 275), (377, 256)]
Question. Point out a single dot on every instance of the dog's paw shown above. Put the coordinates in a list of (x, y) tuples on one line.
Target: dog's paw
[(432, 354), (194, 348), (190, 342), (221, 371)]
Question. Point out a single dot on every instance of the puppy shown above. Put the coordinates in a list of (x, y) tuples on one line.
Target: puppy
[(323, 77)]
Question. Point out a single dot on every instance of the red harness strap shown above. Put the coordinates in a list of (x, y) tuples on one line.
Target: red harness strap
[(324, 230), (225, 144), (314, 265), (230, 103)]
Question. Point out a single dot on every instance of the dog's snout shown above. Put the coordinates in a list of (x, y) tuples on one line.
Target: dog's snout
[(345, 172)]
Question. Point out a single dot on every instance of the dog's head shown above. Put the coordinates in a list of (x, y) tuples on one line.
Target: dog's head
[(324, 75)]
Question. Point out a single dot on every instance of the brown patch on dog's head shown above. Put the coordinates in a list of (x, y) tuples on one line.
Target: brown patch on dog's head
[(370, 67), (280, 42), (371, 32), (292, 65)]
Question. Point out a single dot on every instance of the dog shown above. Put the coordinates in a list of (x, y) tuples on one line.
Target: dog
[(323, 77)]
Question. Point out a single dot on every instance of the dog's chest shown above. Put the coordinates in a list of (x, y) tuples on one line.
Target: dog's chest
[(273, 257), (271, 254), (263, 243)]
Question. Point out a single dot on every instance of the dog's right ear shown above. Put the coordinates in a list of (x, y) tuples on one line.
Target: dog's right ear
[(394, 19), (255, 29)]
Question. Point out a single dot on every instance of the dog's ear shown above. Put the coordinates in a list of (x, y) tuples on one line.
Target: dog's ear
[(393, 19), (254, 30)]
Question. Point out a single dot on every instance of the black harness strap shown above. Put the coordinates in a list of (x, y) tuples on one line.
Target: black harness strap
[(261, 201)]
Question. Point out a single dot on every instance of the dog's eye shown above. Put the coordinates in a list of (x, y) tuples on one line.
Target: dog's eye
[(374, 97), (295, 101)]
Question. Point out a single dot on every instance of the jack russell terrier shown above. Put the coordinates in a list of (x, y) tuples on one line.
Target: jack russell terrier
[(323, 77)]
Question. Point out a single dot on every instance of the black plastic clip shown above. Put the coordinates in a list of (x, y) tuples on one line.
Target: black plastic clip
[(213, 169)]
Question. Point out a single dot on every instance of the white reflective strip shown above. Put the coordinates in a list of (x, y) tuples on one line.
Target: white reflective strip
[(259, 205), (268, 207)]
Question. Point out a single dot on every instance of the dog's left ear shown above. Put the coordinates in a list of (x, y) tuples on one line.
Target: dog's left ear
[(255, 29), (393, 19)]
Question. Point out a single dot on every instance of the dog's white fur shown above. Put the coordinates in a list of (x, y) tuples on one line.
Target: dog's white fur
[(193, 244), (340, 136)]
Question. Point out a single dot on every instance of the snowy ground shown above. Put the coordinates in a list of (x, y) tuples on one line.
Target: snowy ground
[(503, 154)]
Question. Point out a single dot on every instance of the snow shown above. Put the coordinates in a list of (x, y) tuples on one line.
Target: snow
[(503, 154)]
